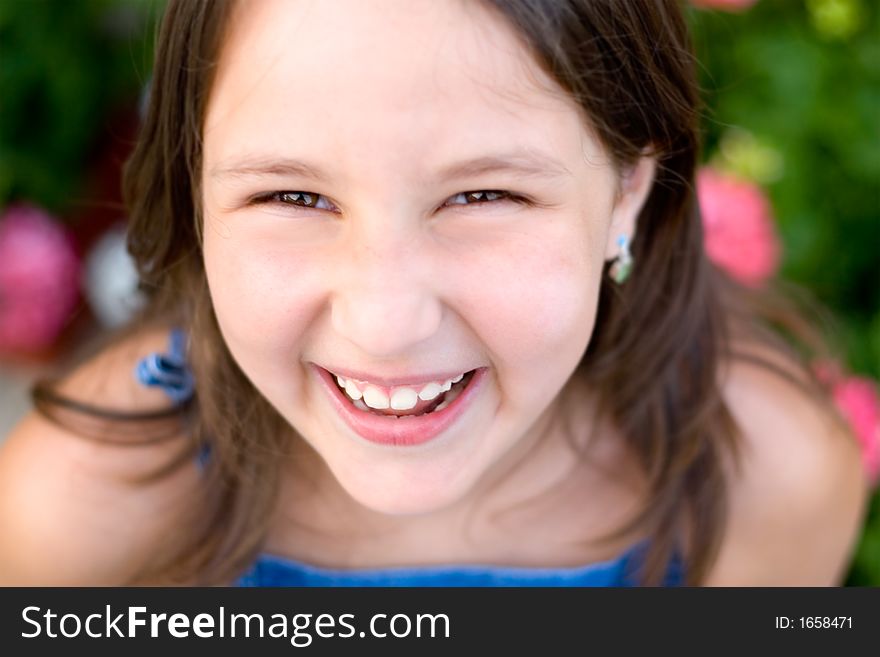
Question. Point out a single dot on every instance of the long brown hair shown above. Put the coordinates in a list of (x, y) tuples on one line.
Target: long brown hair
[(631, 68)]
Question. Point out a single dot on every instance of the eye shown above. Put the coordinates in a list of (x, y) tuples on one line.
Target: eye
[(297, 199), (481, 196), (319, 202)]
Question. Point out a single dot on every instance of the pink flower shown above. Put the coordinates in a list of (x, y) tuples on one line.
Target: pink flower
[(724, 5), (857, 399), (39, 279), (739, 234)]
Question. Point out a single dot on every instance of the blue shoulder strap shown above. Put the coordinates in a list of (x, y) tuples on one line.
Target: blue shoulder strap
[(168, 371)]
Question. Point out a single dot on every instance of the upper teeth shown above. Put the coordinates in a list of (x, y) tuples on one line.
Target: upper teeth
[(400, 398)]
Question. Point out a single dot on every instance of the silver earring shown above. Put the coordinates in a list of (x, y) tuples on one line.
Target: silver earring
[(622, 266)]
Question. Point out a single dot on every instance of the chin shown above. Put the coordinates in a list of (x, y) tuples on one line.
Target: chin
[(404, 500)]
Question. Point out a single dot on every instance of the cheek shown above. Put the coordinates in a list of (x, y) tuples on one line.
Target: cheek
[(260, 291), (535, 297), (528, 297)]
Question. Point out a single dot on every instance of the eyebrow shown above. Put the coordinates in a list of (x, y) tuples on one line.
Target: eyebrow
[(525, 163)]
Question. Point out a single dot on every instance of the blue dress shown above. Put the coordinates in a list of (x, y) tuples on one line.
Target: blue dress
[(169, 371)]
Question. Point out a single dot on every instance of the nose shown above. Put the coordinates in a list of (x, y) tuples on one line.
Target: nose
[(384, 300)]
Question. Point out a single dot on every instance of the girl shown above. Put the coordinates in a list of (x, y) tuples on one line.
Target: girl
[(439, 313)]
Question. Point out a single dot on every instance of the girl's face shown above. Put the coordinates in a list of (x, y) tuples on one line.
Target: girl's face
[(377, 118)]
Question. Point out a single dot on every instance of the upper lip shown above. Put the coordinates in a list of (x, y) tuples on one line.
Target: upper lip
[(396, 380)]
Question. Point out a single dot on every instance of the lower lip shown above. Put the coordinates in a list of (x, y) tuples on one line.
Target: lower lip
[(403, 431)]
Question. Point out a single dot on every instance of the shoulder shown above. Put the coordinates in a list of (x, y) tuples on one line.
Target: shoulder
[(70, 510), (797, 502)]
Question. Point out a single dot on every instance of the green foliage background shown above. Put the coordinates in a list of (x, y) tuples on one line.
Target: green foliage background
[(793, 102), (64, 67)]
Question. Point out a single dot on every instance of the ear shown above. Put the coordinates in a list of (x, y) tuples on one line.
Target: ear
[(633, 188)]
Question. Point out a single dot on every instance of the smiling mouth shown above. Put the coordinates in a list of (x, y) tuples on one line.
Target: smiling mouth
[(437, 404)]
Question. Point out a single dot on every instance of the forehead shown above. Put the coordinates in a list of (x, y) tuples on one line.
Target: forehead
[(382, 82)]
